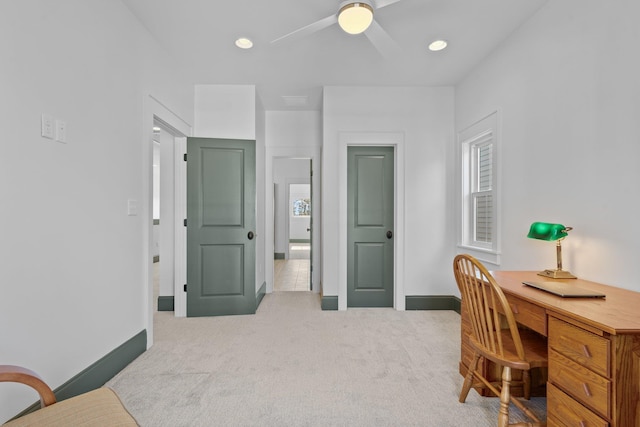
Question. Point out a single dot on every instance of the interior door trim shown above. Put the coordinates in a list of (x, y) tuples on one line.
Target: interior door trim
[(396, 140)]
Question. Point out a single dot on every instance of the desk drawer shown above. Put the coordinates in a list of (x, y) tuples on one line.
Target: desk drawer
[(563, 411), (579, 345), (530, 315), (586, 386)]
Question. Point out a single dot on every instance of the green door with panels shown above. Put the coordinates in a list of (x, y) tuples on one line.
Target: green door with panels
[(370, 222), (220, 227)]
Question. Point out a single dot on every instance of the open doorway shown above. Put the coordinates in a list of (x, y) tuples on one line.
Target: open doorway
[(163, 216), (175, 130), (292, 225)]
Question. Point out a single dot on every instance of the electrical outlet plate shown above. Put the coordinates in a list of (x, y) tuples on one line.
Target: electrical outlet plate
[(47, 126)]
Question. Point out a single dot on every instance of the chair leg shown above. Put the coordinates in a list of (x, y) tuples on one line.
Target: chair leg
[(526, 384), (468, 379), (505, 397)]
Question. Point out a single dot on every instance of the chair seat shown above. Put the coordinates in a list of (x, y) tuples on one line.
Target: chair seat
[(535, 347), (100, 407)]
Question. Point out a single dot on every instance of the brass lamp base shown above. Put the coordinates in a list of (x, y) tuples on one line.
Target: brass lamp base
[(557, 274)]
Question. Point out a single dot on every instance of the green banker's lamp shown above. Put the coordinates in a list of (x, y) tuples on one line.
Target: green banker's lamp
[(551, 232)]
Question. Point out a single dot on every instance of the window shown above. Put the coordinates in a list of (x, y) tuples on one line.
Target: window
[(302, 207), (479, 207)]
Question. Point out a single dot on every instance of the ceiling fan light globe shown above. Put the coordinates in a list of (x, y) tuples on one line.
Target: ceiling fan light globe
[(355, 17)]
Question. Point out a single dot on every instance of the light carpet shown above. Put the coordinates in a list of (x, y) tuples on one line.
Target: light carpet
[(292, 364)]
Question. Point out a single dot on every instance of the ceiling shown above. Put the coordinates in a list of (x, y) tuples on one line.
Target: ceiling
[(200, 34)]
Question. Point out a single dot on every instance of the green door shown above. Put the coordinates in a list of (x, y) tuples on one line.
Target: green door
[(220, 227), (370, 194)]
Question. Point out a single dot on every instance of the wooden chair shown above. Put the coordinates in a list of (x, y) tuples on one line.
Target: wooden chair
[(100, 407), (508, 347)]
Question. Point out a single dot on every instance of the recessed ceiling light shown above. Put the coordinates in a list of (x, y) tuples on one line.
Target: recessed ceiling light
[(244, 43), (437, 45)]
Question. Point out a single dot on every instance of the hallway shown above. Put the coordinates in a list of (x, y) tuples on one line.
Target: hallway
[(293, 274)]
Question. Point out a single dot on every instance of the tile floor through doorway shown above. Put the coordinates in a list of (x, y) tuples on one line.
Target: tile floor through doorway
[(293, 274)]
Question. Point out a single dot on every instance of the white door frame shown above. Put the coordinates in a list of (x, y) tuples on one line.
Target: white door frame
[(154, 110), (166, 234), (180, 191), (396, 140)]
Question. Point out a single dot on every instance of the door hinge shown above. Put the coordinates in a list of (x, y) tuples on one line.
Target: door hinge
[(185, 222), (185, 287), (185, 157)]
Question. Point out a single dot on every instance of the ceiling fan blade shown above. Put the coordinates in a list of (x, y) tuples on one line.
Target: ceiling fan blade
[(381, 40), (383, 3), (309, 29)]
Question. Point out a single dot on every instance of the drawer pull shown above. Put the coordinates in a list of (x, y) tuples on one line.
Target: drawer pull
[(514, 308), (586, 351), (585, 386), (583, 424)]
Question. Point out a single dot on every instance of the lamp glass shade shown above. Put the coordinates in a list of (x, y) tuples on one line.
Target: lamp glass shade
[(547, 231), (355, 18)]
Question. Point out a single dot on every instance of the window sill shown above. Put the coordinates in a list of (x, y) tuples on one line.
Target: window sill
[(484, 255)]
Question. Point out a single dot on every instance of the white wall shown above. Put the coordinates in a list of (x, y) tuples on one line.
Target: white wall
[(568, 88), (69, 250), (225, 111), (425, 118)]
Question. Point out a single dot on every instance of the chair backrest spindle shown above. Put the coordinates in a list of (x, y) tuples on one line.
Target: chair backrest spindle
[(486, 304)]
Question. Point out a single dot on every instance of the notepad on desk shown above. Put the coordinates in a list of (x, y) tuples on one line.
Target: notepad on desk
[(565, 290)]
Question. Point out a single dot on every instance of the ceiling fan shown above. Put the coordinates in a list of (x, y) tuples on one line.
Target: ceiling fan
[(354, 17)]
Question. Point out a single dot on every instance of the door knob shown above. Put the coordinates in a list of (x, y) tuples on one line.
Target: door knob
[(250, 235), (389, 234)]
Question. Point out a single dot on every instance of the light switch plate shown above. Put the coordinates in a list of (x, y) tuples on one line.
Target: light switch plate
[(61, 131), (132, 207)]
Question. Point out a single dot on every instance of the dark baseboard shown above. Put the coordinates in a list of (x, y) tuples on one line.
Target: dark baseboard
[(433, 302), (278, 255), (166, 303), (96, 375), (329, 303), (299, 241), (260, 294)]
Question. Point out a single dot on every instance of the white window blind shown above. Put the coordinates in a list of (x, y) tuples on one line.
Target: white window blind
[(483, 186)]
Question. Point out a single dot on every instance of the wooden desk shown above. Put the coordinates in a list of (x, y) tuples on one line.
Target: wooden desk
[(594, 349)]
